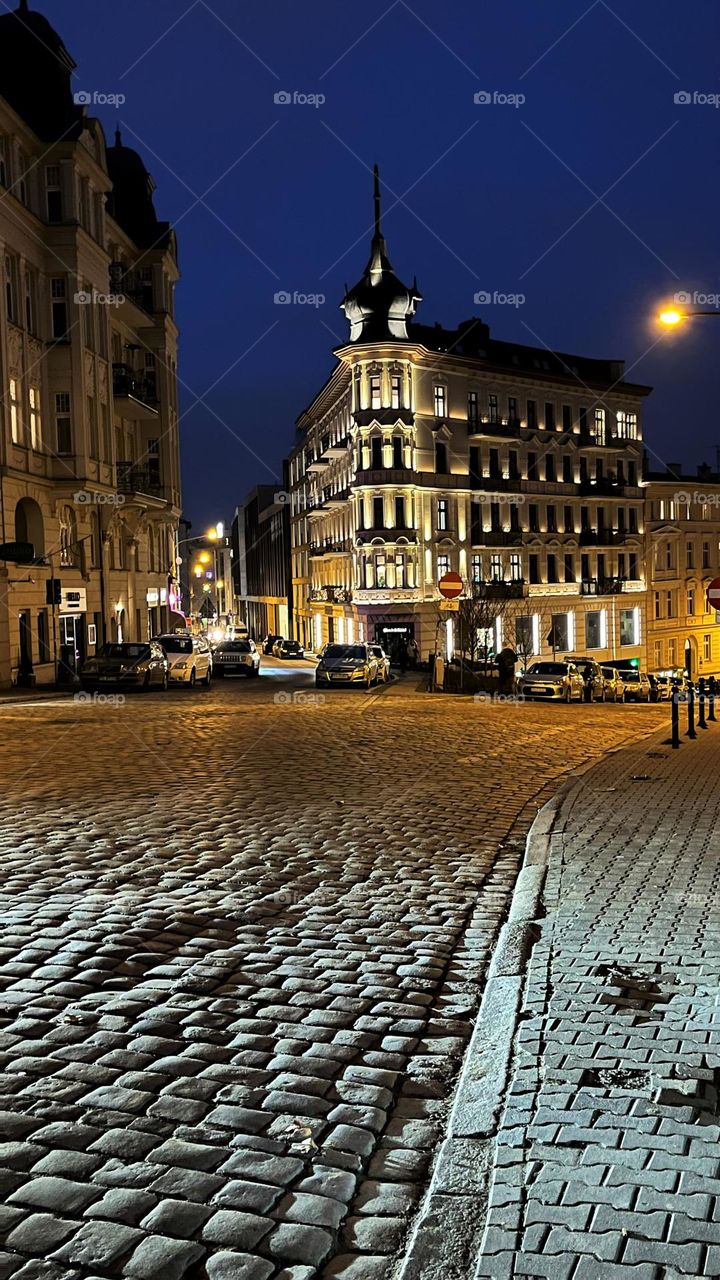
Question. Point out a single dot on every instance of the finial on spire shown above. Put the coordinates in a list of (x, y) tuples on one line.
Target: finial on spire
[(23, 7), (376, 197), (118, 137)]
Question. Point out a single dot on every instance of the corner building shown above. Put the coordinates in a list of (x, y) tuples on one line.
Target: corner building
[(89, 460), (429, 450)]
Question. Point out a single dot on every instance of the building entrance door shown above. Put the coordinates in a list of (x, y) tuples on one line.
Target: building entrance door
[(72, 644)]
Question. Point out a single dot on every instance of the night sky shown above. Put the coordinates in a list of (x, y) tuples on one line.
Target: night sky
[(596, 198)]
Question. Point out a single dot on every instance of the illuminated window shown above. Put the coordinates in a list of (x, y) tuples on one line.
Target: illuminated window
[(375, 395), (629, 626), (395, 391), (400, 570), (515, 567), (443, 564), (593, 630), (15, 417), (672, 653), (472, 406), (35, 419), (442, 514), (706, 555), (440, 401), (689, 556), (476, 569), (496, 568), (657, 654), (691, 602), (627, 425), (599, 423), (493, 407), (707, 647)]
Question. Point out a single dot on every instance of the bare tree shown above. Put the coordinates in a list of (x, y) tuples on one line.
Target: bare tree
[(477, 617)]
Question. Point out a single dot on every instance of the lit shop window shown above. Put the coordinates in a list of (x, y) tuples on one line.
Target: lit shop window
[(629, 626)]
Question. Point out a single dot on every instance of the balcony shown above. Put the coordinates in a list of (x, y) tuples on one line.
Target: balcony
[(331, 595), (134, 397), (334, 449), (589, 440), (499, 589), (134, 296), (497, 538), (602, 586), (386, 475), (387, 535), (508, 427), (328, 548), (138, 480), (388, 595), (316, 464), (601, 487), (602, 537)]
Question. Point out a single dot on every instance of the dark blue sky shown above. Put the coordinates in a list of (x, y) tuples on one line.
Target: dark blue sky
[(498, 197)]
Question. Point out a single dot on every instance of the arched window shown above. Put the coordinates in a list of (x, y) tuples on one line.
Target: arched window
[(68, 538), (29, 525)]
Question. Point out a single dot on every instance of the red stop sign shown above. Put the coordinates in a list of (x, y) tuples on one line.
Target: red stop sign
[(713, 594), (451, 586)]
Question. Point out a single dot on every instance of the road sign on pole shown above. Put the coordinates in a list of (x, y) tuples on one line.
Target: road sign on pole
[(451, 586), (713, 594), (449, 606)]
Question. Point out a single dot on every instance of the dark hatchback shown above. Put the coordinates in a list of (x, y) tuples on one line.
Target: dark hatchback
[(127, 666)]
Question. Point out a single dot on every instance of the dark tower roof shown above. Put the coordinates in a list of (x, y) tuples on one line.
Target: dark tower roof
[(35, 75), (130, 202), (380, 305)]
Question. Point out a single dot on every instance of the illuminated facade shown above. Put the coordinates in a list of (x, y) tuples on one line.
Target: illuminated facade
[(430, 450), (683, 557), (89, 462)]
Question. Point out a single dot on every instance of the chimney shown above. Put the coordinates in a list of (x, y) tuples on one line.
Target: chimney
[(705, 471), (674, 469)]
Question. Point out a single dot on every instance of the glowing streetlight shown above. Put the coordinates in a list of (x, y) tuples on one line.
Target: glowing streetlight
[(671, 316)]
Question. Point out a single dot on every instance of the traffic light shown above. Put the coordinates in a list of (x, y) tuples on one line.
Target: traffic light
[(53, 591), (634, 662)]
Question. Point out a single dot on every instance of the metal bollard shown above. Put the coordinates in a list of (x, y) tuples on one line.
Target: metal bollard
[(711, 698), (691, 710), (701, 703), (675, 720)]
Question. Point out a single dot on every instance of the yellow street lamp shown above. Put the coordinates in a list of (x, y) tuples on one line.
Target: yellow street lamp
[(671, 316)]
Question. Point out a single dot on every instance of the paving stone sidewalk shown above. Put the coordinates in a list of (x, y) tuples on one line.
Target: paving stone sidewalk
[(607, 1160)]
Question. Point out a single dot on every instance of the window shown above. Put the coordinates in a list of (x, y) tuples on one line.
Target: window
[(669, 558), (532, 466), (400, 522), (551, 520), (552, 568), (63, 425), (494, 464), (44, 654), (524, 636), (633, 520), (632, 473), (443, 564), (706, 555), (550, 473), (441, 458), (496, 568), (92, 429), (689, 557), (474, 465), (658, 607), (599, 423), (707, 647), (440, 401), (35, 419), (68, 537), (395, 391), (594, 630), (513, 466), (672, 653), (53, 193), (533, 522), (472, 406), (691, 602), (476, 569), (59, 311), (629, 626), (400, 570), (398, 459), (375, 395), (534, 567), (532, 413), (380, 570), (568, 520), (633, 574), (627, 424), (30, 301), (378, 513), (492, 407), (567, 419), (376, 453), (16, 427), (11, 288), (515, 566), (559, 635), (569, 567), (549, 416), (669, 604), (512, 409), (442, 514), (3, 163), (657, 654)]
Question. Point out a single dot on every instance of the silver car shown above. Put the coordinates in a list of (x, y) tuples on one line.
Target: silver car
[(553, 682), (383, 662), (346, 664), (613, 687), (636, 686)]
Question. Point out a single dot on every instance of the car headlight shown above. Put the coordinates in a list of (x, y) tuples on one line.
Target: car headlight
[(181, 666)]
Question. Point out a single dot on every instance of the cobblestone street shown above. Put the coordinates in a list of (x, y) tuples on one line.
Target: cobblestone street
[(244, 944)]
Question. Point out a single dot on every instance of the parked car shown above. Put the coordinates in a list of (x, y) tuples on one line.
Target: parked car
[(613, 686), (189, 659), (288, 649), (383, 661), (347, 664), (269, 641), (589, 669), (236, 658), (126, 666), (636, 686), (552, 681)]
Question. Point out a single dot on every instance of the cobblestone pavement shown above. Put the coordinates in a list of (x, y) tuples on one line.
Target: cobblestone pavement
[(608, 1159), (244, 942)]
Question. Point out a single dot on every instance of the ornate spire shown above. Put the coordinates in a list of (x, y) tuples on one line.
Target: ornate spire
[(380, 305), (23, 7), (118, 137)]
